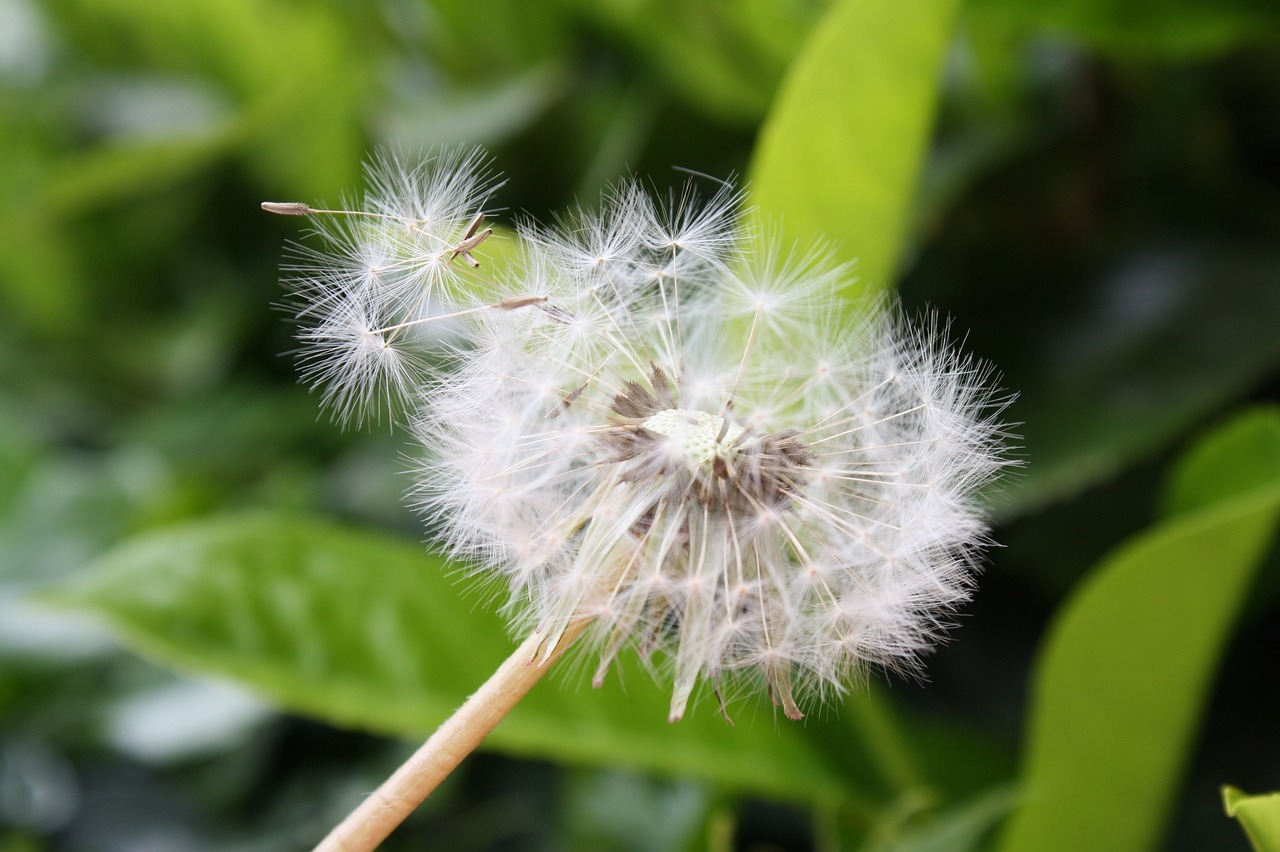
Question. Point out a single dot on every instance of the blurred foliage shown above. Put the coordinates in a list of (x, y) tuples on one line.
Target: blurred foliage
[(1121, 682), (350, 628), (1097, 208)]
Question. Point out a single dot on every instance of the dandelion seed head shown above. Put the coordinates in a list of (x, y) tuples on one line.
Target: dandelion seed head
[(726, 478), (694, 444)]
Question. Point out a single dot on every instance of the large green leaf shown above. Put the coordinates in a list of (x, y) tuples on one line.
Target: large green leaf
[(369, 632), (839, 153), (1124, 673)]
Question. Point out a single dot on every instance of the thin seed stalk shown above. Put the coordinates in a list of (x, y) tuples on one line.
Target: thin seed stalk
[(370, 823)]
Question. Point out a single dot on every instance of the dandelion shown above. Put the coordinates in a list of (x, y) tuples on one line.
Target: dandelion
[(666, 442), (683, 443)]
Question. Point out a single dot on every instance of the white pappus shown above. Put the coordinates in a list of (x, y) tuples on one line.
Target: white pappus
[(694, 445)]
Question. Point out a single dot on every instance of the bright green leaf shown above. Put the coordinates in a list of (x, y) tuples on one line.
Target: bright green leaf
[(1124, 674), (1258, 815), (373, 633), (839, 153), (1236, 459)]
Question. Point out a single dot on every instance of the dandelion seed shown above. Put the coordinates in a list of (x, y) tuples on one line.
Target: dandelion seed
[(372, 297)]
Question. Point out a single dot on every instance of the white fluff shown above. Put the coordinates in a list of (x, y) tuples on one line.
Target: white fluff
[(385, 265), (697, 446)]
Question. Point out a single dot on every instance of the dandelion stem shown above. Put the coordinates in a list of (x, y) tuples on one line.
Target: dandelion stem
[(370, 823)]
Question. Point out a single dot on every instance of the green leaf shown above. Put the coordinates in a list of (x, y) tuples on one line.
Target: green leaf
[(1123, 676), (1236, 459), (839, 154), (1169, 27), (373, 633), (958, 829), (608, 809), (40, 274), (725, 58), (293, 72), (1258, 815), (108, 174), (1098, 394)]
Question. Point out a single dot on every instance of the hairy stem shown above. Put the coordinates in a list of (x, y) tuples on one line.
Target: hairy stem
[(370, 823)]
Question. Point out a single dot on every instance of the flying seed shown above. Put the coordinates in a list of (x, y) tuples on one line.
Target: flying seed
[(470, 240), (287, 208), (520, 302)]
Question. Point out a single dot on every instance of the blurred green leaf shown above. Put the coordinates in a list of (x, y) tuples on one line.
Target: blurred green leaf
[(1123, 676), (505, 37), (108, 174), (21, 444), (1162, 341), (838, 155), (40, 273), (291, 69), (958, 829), (726, 58), (39, 263), (470, 116), (1176, 27), (1259, 816), (373, 633), (1228, 462), (627, 812)]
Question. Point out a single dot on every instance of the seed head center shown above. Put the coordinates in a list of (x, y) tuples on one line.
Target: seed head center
[(696, 435)]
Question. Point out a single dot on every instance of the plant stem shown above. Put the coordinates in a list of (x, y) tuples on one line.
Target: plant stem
[(370, 823)]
